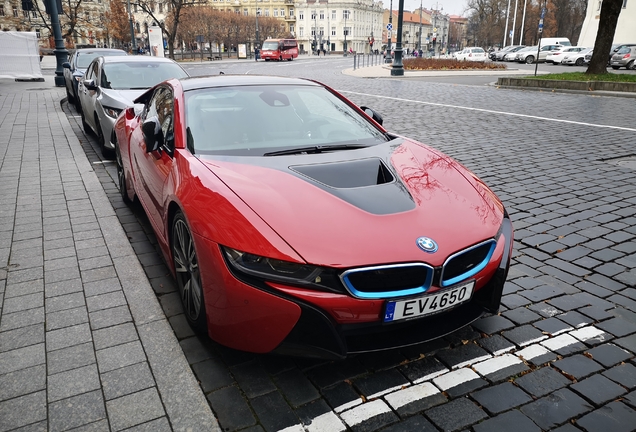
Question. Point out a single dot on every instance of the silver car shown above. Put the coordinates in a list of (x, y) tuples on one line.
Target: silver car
[(112, 83), (624, 57)]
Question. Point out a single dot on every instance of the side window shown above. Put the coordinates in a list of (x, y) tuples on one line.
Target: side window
[(90, 73), (161, 108)]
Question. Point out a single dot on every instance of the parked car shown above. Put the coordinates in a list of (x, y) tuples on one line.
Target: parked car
[(615, 48), (499, 55), (75, 68), (515, 56), (472, 54), (576, 58), (624, 57), (531, 56), (557, 55), (112, 83), (358, 254), (588, 56)]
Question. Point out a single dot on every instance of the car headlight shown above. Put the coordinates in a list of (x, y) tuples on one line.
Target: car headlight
[(286, 272), (112, 112)]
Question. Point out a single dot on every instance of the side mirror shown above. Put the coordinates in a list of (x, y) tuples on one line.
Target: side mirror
[(89, 84), (373, 114), (66, 65), (152, 133)]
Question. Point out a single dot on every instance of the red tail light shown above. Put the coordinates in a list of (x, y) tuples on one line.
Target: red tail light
[(470, 55), (626, 56)]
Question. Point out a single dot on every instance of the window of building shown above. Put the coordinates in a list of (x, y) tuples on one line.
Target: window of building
[(333, 14), (347, 31), (313, 15), (282, 12), (291, 28), (135, 7), (25, 14), (87, 16), (322, 15), (245, 12), (333, 31), (34, 14), (15, 11), (291, 12), (346, 14), (266, 12), (160, 7), (138, 28), (1, 10), (301, 15), (322, 31), (313, 31), (301, 31), (275, 12)]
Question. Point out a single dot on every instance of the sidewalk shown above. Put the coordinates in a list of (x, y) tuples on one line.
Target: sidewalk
[(84, 342)]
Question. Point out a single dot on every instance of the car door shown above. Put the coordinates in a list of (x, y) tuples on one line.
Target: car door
[(152, 168), (87, 97)]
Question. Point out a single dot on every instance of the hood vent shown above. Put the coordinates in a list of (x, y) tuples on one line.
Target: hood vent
[(349, 174)]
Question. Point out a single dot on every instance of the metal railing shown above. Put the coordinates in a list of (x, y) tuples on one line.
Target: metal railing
[(361, 60)]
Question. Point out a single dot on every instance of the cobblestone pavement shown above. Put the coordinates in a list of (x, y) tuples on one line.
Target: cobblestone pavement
[(560, 355)]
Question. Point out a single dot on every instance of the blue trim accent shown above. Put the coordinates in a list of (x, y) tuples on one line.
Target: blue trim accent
[(472, 272), (387, 294), (421, 240)]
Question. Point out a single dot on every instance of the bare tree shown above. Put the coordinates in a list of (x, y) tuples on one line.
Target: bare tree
[(117, 23), (170, 26), (610, 10)]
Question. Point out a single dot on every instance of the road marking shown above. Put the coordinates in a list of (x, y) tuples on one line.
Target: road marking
[(533, 351), (328, 422), (455, 378), (493, 365), (348, 405), (561, 341), (431, 376), (364, 412), (586, 333), (492, 111), (411, 394), (472, 361), (389, 390), (531, 341)]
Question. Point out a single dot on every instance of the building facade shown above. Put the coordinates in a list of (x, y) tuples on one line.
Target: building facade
[(410, 30), (625, 32), (339, 25)]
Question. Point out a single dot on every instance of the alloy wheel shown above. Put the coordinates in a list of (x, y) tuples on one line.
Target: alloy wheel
[(121, 175), (188, 274)]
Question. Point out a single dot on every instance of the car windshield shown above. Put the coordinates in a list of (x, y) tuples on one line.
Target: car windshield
[(255, 120), (478, 50), (270, 45), (139, 74), (623, 50), (84, 59)]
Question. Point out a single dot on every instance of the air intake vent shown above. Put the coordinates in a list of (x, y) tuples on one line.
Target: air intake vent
[(349, 174)]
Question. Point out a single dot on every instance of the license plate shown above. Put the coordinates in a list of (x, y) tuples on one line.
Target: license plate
[(430, 304)]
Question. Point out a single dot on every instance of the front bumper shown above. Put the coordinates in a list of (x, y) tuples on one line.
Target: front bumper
[(265, 317)]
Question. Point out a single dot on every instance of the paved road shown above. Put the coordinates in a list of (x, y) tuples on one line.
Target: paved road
[(561, 352)]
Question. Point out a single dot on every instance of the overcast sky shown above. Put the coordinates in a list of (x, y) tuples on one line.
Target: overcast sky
[(451, 7)]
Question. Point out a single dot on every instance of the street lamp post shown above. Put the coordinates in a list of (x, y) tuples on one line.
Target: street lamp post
[(60, 51), (398, 68), (346, 13), (419, 39), (388, 50)]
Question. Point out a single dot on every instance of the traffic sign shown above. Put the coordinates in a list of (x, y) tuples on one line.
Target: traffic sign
[(389, 26), (434, 29), (543, 13)]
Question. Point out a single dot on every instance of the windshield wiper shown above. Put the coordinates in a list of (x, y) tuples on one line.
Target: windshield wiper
[(316, 149)]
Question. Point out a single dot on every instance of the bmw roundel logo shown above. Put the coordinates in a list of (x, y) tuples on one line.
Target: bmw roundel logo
[(427, 244)]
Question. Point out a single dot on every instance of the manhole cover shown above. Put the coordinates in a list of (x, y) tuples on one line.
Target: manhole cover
[(624, 162)]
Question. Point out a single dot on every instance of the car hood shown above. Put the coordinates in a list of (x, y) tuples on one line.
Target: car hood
[(120, 98), (365, 206)]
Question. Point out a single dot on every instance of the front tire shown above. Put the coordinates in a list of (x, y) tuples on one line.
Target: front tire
[(101, 140), (529, 59), (87, 128), (579, 62), (121, 174), (616, 67), (188, 274)]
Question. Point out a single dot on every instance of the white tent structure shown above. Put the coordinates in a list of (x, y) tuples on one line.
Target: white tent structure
[(19, 55)]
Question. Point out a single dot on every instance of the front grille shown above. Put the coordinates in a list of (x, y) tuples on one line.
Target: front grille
[(467, 263), (388, 281)]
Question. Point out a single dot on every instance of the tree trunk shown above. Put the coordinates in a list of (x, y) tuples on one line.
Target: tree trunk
[(610, 9)]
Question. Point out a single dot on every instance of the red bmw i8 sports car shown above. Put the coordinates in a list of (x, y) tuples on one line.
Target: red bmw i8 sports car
[(295, 223)]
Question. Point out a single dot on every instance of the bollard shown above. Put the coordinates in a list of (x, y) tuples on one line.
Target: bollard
[(354, 62)]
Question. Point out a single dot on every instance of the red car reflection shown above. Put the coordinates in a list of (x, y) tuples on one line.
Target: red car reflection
[(295, 223)]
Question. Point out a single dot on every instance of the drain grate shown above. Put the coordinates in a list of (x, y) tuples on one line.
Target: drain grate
[(623, 161)]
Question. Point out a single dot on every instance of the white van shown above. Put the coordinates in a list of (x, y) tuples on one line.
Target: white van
[(555, 41)]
